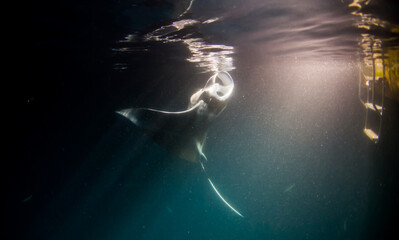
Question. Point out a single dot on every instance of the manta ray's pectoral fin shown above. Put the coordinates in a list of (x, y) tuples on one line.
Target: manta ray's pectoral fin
[(177, 132), (156, 120)]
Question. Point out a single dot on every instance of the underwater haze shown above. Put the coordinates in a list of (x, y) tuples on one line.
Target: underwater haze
[(293, 151)]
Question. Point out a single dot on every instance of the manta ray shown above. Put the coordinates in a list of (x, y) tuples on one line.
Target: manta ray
[(184, 133)]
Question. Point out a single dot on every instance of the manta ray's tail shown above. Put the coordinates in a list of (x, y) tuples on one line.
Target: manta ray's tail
[(217, 192), (202, 156)]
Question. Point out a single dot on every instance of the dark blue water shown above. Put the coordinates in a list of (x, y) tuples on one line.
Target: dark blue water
[(288, 152)]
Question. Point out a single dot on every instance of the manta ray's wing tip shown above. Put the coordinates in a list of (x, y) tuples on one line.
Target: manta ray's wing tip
[(129, 113), (123, 112)]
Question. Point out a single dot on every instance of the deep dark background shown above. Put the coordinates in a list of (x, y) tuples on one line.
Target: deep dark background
[(59, 93), (59, 61)]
